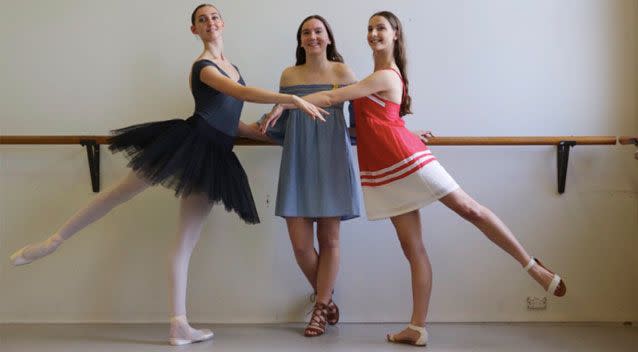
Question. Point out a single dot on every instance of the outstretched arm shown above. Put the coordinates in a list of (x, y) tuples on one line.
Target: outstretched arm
[(213, 78), (377, 82)]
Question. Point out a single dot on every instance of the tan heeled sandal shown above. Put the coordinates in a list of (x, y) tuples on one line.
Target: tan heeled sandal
[(557, 287), (421, 341)]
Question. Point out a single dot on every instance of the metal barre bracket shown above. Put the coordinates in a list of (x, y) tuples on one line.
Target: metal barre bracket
[(562, 162), (93, 155)]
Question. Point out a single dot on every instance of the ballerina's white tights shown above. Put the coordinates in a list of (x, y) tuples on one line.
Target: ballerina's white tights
[(193, 212)]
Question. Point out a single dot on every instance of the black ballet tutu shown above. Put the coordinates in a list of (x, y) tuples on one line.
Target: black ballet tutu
[(190, 157)]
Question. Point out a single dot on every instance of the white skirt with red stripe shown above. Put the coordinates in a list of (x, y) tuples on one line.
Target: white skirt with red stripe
[(406, 186)]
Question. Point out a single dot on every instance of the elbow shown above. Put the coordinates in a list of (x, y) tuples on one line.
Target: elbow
[(243, 94)]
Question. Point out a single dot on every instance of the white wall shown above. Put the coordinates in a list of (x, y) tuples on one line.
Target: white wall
[(489, 67)]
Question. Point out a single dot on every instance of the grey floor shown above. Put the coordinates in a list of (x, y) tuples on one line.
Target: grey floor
[(345, 337)]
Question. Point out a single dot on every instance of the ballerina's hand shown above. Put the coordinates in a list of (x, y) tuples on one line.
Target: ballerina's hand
[(315, 112), (271, 118), (423, 135)]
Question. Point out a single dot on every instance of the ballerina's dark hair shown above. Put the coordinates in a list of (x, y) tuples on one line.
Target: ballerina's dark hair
[(199, 7)]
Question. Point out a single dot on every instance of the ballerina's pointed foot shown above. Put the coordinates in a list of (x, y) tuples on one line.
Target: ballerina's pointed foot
[(200, 336), (35, 251), (183, 334)]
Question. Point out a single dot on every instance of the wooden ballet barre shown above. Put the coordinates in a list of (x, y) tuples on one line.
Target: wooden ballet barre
[(628, 140), (52, 139), (513, 141), (562, 143), (450, 141)]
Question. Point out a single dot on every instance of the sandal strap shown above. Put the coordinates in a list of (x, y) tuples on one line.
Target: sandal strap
[(331, 306), (531, 264), (318, 320), (421, 341), (313, 324), (554, 284), (423, 334), (333, 313), (556, 280), (419, 329), (319, 315), (319, 330)]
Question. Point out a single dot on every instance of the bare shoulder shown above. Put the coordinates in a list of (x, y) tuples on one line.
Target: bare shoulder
[(288, 75), (385, 75), (344, 73)]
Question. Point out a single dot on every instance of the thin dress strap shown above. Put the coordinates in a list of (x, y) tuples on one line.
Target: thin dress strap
[(401, 78), (397, 72)]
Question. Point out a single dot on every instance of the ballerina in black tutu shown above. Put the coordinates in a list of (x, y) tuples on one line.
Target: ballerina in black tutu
[(194, 157)]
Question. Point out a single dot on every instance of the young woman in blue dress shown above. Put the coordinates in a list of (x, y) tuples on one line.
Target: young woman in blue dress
[(317, 178)]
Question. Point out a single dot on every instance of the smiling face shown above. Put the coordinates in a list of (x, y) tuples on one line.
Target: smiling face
[(381, 35), (314, 37), (208, 23)]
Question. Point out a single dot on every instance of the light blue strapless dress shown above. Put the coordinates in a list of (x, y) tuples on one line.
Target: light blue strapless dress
[(317, 177)]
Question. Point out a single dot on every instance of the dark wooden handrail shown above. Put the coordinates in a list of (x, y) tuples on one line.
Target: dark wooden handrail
[(449, 141)]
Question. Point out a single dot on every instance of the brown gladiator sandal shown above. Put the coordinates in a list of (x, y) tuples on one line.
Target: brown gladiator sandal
[(333, 313), (317, 324), (333, 309)]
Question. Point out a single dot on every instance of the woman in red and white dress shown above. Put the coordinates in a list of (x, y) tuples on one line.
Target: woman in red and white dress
[(399, 174)]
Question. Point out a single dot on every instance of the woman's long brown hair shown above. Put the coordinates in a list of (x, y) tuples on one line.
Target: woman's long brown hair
[(400, 57)]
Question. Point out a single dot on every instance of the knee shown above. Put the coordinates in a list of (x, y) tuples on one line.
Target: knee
[(329, 243), (328, 235), (472, 212), (413, 250), (303, 250)]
